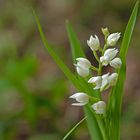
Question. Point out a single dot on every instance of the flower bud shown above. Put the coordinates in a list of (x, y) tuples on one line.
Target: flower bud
[(113, 38), (110, 53), (99, 107), (105, 31), (83, 62), (116, 63), (97, 81), (93, 43), (82, 66), (81, 98), (113, 79), (82, 71)]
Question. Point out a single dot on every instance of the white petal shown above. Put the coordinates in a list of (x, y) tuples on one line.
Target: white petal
[(94, 106), (94, 79), (116, 63), (102, 104), (110, 53), (91, 80), (93, 43), (78, 104), (99, 107), (74, 96), (97, 81), (104, 60), (102, 111), (113, 79), (97, 87), (105, 82), (81, 98), (113, 38), (83, 62), (82, 71)]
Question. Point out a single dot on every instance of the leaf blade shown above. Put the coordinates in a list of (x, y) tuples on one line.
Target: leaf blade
[(117, 91), (74, 128), (56, 58), (92, 124), (76, 49)]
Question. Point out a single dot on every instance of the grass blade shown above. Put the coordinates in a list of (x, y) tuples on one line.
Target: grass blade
[(92, 124), (74, 43), (117, 91), (56, 58), (74, 128)]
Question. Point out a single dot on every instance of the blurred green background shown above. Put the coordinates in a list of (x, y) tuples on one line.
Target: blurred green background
[(34, 93)]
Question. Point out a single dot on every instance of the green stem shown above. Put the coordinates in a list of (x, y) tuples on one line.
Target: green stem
[(101, 121), (94, 98), (100, 65), (96, 56), (100, 69), (94, 68), (105, 47)]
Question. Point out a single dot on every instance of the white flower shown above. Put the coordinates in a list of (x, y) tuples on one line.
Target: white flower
[(111, 53), (108, 56), (99, 107), (83, 66), (81, 98), (116, 63), (113, 38), (97, 81), (105, 82), (113, 79), (82, 71), (93, 43), (104, 60)]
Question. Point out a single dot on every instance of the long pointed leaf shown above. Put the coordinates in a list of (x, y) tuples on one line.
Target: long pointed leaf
[(92, 124), (56, 58), (117, 91), (74, 128), (77, 51)]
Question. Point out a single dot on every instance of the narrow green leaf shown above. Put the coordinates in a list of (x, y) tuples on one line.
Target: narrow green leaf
[(92, 124), (74, 128), (117, 91), (74, 43), (56, 58)]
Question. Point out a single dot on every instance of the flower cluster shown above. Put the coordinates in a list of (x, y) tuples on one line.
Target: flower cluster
[(103, 82), (100, 82)]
